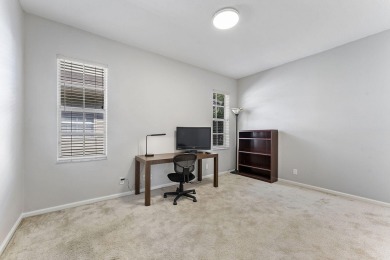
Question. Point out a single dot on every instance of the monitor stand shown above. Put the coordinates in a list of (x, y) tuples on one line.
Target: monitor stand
[(192, 151)]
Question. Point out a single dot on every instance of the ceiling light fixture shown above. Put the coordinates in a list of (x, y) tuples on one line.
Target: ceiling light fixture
[(226, 18)]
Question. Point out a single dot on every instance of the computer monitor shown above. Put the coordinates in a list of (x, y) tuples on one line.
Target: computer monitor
[(193, 138)]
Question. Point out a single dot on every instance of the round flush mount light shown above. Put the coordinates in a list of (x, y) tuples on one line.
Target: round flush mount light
[(225, 18)]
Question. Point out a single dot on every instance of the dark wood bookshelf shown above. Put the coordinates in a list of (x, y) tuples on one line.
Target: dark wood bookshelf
[(258, 154)]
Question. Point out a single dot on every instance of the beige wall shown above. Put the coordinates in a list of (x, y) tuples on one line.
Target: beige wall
[(147, 94), (332, 113), (11, 116)]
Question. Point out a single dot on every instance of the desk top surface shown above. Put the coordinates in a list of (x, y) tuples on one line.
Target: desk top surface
[(168, 157)]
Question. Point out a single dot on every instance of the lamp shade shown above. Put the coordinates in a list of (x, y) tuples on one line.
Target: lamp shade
[(236, 110)]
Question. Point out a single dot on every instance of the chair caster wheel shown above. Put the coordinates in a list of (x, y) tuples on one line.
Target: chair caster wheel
[(194, 200), (165, 195), (174, 203)]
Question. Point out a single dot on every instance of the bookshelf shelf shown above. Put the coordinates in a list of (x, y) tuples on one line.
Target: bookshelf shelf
[(258, 154)]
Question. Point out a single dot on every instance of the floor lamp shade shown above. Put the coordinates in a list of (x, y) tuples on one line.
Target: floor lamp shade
[(146, 153), (236, 111)]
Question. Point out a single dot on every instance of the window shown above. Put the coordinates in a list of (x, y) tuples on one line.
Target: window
[(220, 120), (82, 110)]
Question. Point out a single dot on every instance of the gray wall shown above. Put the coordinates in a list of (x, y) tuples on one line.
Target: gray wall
[(332, 113), (147, 94), (11, 114)]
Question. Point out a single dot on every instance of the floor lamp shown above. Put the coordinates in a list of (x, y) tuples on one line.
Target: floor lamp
[(236, 112)]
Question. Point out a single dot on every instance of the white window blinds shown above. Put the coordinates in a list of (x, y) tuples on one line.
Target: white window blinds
[(221, 110), (81, 110)]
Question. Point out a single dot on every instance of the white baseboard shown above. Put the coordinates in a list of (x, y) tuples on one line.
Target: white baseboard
[(350, 196), (85, 202), (80, 203), (89, 201), (10, 234), (211, 175), (75, 204)]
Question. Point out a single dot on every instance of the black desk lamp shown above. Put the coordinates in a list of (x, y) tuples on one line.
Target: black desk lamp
[(236, 112), (146, 154)]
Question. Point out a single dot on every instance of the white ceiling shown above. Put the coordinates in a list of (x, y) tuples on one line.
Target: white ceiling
[(269, 33)]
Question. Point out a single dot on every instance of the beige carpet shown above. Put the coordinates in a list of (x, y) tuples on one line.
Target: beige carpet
[(242, 219)]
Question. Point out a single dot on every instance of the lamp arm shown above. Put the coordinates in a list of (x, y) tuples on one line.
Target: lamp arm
[(146, 150)]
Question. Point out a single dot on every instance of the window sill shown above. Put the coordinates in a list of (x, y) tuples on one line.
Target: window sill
[(216, 148), (82, 159)]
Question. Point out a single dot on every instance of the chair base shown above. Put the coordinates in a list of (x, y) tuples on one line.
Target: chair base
[(180, 193)]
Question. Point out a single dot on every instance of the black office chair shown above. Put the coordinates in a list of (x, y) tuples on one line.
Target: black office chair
[(184, 166)]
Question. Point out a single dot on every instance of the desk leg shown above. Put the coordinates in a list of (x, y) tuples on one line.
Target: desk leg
[(137, 177), (200, 168), (147, 184), (215, 171)]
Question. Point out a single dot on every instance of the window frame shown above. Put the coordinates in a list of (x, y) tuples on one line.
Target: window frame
[(225, 120), (84, 110)]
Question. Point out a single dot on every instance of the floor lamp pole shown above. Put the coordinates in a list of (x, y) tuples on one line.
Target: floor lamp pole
[(235, 171), (236, 111)]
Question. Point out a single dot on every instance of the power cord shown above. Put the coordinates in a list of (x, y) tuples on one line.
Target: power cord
[(128, 184)]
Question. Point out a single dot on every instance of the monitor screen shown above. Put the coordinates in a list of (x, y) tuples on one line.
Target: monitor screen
[(193, 138)]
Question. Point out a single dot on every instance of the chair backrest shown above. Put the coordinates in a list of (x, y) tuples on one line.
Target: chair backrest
[(185, 164)]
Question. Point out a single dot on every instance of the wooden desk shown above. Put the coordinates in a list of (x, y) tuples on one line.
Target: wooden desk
[(167, 158)]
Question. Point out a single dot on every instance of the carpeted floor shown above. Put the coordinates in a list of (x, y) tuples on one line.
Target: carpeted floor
[(242, 219)]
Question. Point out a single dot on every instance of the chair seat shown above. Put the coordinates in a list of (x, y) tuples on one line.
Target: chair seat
[(178, 177)]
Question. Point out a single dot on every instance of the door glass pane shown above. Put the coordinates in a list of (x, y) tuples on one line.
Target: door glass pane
[(218, 127), (217, 139), (220, 99), (220, 112)]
